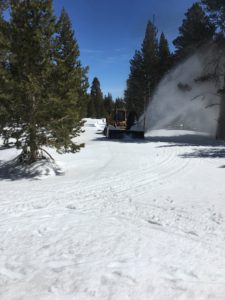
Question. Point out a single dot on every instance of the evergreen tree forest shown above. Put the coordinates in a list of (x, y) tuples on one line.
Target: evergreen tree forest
[(100, 106), (216, 11), (95, 105), (43, 84), (203, 25), (147, 68), (195, 31)]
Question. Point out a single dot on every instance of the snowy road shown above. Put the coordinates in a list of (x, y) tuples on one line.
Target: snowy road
[(128, 219)]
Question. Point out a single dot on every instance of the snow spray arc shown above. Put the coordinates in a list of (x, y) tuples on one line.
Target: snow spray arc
[(183, 102)]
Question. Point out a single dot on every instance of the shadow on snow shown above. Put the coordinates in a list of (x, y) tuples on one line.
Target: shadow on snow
[(185, 140), (216, 147), (14, 170)]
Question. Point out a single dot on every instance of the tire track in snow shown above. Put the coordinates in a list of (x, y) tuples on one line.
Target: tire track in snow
[(91, 197), (143, 178), (155, 173)]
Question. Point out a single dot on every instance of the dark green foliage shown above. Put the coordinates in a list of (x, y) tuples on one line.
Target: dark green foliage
[(31, 28), (45, 80), (91, 113), (95, 105), (4, 4), (150, 59), (195, 31), (108, 104), (216, 11), (5, 89), (165, 57), (147, 68), (119, 103), (135, 96), (68, 87), (216, 8), (67, 58)]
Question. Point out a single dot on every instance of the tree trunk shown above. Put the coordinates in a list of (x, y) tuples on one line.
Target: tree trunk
[(220, 133), (33, 155), (33, 146)]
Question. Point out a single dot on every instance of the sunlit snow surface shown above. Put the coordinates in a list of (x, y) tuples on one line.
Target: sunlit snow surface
[(123, 219)]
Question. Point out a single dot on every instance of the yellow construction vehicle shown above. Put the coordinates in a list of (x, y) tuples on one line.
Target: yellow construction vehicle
[(121, 123)]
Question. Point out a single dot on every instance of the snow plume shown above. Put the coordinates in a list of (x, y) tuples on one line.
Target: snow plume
[(183, 102)]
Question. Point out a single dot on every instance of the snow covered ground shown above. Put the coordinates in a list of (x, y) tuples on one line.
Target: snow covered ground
[(123, 219)]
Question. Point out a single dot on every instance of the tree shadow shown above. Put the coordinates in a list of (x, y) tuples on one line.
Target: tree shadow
[(205, 153), (195, 140), (168, 141), (216, 148), (15, 170)]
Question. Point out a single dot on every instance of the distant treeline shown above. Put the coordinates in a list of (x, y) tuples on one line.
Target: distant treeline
[(203, 24), (154, 60)]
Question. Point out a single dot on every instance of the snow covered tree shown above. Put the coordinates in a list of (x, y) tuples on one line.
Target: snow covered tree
[(195, 31)]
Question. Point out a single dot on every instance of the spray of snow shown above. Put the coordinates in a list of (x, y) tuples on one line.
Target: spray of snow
[(183, 102)]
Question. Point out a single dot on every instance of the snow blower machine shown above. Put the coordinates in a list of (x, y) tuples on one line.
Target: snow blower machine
[(120, 124)]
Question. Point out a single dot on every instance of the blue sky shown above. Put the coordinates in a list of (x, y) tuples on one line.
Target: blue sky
[(109, 31)]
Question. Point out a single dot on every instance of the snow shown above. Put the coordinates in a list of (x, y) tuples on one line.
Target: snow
[(100, 124), (123, 219)]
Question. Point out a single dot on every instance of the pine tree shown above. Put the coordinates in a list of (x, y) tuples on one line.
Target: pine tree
[(135, 91), (165, 57), (108, 104), (4, 69), (69, 87), (216, 8), (97, 98), (144, 73), (216, 11), (150, 59), (119, 103), (91, 113), (196, 30), (47, 80), (3, 5), (3, 34), (31, 29)]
